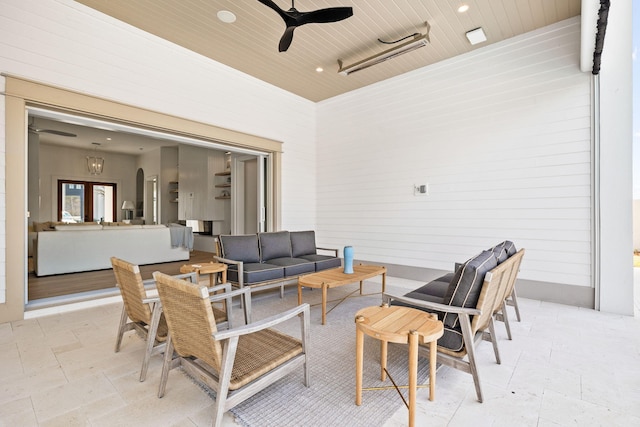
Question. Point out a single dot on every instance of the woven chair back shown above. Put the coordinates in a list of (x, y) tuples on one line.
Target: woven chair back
[(189, 315), (132, 289)]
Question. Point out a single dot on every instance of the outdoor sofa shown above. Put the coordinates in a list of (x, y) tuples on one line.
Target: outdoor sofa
[(273, 259)]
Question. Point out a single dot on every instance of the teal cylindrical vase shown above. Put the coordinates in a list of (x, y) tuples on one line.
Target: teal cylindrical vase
[(348, 260)]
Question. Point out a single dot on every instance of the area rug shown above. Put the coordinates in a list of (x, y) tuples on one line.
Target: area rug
[(330, 399)]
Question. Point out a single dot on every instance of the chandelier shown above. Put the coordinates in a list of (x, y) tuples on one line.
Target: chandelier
[(95, 163)]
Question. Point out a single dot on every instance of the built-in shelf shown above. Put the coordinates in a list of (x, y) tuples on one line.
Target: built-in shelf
[(223, 197), (225, 173), (223, 185)]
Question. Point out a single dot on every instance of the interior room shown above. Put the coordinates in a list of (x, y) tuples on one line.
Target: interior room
[(158, 180), (416, 134)]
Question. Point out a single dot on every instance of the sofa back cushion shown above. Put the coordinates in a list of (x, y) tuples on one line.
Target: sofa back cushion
[(240, 247), (303, 243), (504, 250), (274, 245), (464, 289)]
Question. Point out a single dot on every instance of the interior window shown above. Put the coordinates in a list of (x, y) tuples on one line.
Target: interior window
[(83, 201)]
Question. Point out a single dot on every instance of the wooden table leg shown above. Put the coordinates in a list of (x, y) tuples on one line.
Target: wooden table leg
[(383, 360), (324, 303), (359, 363), (433, 357), (413, 375), (361, 287), (299, 294), (224, 276), (384, 281)]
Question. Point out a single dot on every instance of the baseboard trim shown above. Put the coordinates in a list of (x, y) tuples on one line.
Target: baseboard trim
[(560, 293)]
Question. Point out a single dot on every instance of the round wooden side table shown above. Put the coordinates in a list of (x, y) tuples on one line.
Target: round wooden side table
[(210, 268), (402, 325)]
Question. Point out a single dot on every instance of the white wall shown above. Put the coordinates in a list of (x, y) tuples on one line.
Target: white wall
[(58, 162), (502, 137), (66, 44)]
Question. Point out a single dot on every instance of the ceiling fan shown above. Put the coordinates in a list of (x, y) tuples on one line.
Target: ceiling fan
[(32, 128), (293, 19)]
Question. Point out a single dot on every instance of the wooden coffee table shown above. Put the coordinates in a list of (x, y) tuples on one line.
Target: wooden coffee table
[(335, 277), (403, 325)]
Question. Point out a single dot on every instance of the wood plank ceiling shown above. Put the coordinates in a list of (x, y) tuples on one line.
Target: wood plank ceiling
[(250, 44)]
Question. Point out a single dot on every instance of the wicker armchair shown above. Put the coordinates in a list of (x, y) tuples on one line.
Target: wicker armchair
[(145, 313), (235, 363)]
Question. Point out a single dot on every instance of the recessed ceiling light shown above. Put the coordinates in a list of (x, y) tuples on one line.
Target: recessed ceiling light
[(226, 16), (476, 36), (319, 69), (463, 8)]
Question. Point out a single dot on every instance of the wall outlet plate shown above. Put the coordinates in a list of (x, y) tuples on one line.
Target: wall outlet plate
[(421, 189)]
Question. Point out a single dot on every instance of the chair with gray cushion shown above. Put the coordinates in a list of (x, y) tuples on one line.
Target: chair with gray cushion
[(465, 302)]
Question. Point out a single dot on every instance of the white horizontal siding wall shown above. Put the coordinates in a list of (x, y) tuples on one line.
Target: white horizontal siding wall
[(66, 44), (502, 137)]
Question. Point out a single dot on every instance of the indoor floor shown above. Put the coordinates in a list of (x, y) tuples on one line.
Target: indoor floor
[(565, 366)]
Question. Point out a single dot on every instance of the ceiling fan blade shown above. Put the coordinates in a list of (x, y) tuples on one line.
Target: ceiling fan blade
[(332, 14), (293, 18), (275, 7), (286, 39)]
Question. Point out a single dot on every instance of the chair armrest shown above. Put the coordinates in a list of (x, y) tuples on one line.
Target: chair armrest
[(221, 287), (149, 282), (229, 294), (264, 323), (428, 305), (150, 300), (335, 251), (227, 261)]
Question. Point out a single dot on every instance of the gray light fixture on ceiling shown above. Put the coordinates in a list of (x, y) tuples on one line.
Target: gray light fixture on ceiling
[(476, 36), (95, 163), (417, 41)]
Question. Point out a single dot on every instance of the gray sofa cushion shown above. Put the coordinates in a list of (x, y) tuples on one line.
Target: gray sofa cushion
[(464, 289), (274, 245), (240, 247), (323, 262), (294, 266), (303, 243), (435, 289), (255, 272), (504, 250)]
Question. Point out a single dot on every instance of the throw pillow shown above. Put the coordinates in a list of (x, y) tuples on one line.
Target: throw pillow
[(464, 289)]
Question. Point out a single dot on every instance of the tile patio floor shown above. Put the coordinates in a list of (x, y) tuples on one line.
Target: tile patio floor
[(566, 366)]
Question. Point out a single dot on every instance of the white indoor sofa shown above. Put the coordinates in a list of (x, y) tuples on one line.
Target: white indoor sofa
[(74, 248)]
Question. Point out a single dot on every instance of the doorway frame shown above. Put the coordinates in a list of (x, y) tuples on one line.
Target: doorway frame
[(21, 94)]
